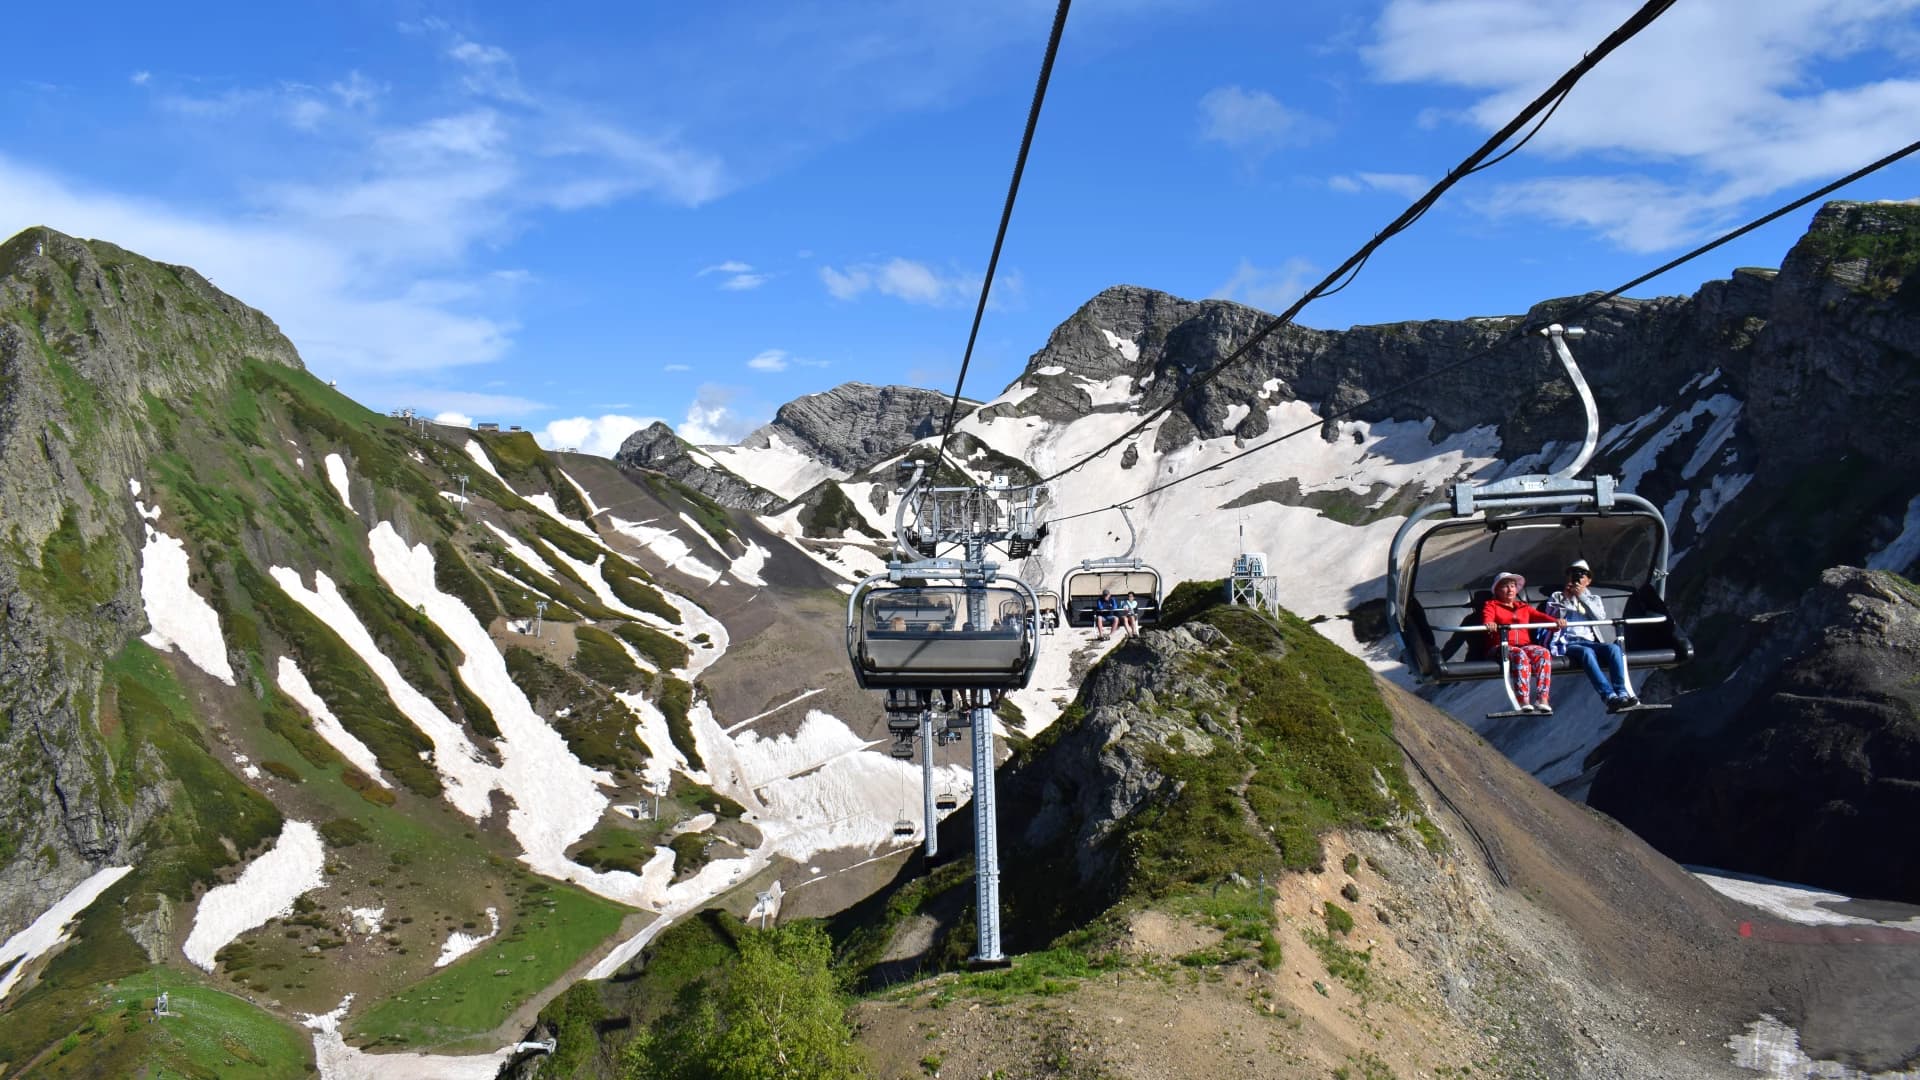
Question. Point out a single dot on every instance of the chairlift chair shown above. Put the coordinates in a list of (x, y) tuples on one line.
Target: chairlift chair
[(946, 800), (1081, 586), (1445, 555), (1048, 614), (902, 826), (956, 634)]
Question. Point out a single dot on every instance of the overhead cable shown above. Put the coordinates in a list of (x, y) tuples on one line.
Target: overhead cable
[(1548, 101), (1582, 307), (1006, 215)]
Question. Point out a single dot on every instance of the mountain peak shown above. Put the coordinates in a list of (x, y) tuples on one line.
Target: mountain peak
[(856, 425)]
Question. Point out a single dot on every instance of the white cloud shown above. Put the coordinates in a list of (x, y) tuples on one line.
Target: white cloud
[(677, 367), (139, 78), (1406, 185), (770, 360), (902, 279), (739, 276), (1269, 289), (370, 258), (600, 436), (712, 420), (454, 419), (1727, 99), (1251, 121)]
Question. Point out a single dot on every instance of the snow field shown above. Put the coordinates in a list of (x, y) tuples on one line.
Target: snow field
[(458, 944), (1127, 348), (468, 778), (543, 502), (780, 467), (179, 616), (556, 798), (1903, 549), (519, 550), (1773, 1050), (50, 929), (294, 682), (265, 890)]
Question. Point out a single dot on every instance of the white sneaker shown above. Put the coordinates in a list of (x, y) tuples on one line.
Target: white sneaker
[(1544, 709), (1526, 708)]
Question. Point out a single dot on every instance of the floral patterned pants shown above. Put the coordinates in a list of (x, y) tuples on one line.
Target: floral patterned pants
[(1532, 673)]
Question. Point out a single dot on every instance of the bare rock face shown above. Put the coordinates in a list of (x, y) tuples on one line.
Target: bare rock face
[(658, 449), (90, 335), (1805, 765), (1101, 771), (855, 426)]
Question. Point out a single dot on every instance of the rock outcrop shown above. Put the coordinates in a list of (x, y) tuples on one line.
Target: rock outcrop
[(855, 426), (1804, 763), (658, 449)]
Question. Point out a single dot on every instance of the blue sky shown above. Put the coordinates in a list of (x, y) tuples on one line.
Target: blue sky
[(591, 215)]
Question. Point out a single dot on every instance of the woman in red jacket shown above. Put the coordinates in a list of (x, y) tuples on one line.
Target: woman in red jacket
[(1532, 664)]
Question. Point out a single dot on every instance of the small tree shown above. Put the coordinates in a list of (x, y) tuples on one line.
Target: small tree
[(779, 1015)]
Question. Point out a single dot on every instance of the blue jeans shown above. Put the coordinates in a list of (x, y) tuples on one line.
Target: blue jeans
[(1605, 664)]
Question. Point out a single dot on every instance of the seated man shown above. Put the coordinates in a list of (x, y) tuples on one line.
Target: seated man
[(1106, 614), (1588, 640)]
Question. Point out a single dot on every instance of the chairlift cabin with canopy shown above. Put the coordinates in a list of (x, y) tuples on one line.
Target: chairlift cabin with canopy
[(1081, 586), (958, 634), (1444, 557)]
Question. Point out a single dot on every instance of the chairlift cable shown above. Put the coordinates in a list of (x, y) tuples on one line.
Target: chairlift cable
[(1006, 215), (1569, 315), (1474, 162)]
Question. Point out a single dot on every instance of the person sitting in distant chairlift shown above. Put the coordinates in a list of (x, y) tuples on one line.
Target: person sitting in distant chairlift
[(1106, 614), (1130, 614), (1532, 665), (1588, 638)]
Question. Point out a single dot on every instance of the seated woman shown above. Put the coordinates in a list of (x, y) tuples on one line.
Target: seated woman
[(1130, 614), (1591, 645), (1532, 664)]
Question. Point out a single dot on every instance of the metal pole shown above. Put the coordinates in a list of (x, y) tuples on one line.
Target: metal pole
[(986, 843), (926, 783)]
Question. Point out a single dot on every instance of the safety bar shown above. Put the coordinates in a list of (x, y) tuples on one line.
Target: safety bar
[(1637, 620)]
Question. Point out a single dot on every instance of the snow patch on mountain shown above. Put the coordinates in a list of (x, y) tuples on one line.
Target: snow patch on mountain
[(779, 467), (337, 476), (179, 616), (294, 682), (1724, 408), (667, 546), (1903, 549), (746, 569), (265, 890), (460, 944), (703, 534), (479, 455), (468, 778), (50, 929), (1127, 349), (1772, 1049)]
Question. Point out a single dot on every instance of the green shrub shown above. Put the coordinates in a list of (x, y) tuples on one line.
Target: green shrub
[(344, 832), (663, 652), (1337, 918)]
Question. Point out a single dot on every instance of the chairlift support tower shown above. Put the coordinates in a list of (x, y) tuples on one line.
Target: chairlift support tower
[(944, 534)]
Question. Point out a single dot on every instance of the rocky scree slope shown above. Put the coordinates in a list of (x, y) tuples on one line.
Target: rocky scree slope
[(855, 426)]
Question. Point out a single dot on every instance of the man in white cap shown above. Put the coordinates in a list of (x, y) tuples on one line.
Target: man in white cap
[(1588, 638)]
